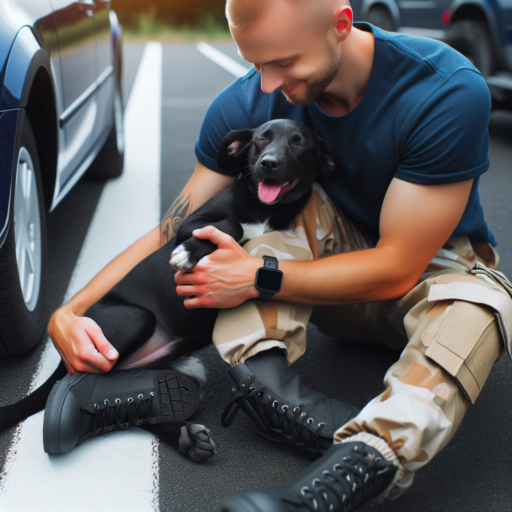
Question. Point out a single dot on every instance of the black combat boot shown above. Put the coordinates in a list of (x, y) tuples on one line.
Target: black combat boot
[(85, 405), (345, 478), (280, 407)]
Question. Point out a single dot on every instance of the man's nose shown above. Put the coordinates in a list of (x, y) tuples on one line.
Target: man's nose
[(270, 79)]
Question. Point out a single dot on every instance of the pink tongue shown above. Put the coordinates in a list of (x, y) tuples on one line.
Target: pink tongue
[(269, 190)]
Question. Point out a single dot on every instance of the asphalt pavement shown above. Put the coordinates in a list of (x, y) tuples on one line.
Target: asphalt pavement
[(471, 474)]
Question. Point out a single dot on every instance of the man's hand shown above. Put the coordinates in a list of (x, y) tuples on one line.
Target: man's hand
[(223, 279), (81, 343)]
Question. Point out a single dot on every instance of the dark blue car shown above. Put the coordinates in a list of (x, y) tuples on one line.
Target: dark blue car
[(61, 114), (479, 29)]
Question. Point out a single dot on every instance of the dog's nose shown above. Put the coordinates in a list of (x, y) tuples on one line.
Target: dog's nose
[(270, 162)]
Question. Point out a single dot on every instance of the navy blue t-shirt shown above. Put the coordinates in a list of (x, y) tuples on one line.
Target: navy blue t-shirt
[(423, 119)]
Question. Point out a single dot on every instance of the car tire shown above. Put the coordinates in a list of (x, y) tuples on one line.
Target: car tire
[(380, 17), (110, 160), (23, 312), (472, 39)]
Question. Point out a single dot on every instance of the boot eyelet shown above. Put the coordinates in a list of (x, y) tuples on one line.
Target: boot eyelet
[(117, 400), (141, 396), (303, 490), (138, 423), (106, 402), (296, 409), (285, 408), (303, 415), (152, 420), (252, 388), (314, 482), (321, 424), (130, 400), (275, 403), (336, 466), (151, 394), (310, 421), (96, 406)]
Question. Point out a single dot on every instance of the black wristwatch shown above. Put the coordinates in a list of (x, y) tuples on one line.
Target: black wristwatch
[(268, 279)]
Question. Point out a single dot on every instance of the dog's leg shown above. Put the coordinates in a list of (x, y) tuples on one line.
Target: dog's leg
[(126, 326)]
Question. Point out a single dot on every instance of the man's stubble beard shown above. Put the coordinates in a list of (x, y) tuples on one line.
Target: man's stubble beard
[(315, 90)]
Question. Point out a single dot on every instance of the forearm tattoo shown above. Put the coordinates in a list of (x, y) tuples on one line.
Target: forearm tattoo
[(175, 216)]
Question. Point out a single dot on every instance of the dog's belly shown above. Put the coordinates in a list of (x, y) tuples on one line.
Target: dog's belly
[(158, 346)]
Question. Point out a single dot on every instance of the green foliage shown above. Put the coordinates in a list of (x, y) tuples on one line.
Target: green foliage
[(149, 24), (175, 13)]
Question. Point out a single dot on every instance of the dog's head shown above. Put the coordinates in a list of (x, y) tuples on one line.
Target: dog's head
[(281, 158)]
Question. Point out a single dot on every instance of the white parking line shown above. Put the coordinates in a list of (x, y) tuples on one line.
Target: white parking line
[(118, 471), (222, 59)]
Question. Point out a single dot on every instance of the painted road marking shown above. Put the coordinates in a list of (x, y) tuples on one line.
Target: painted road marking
[(222, 59), (118, 471)]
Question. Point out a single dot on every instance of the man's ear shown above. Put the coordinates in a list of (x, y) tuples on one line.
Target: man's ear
[(234, 147), (328, 159)]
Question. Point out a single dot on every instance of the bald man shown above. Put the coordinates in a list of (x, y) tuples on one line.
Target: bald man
[(395, 250)]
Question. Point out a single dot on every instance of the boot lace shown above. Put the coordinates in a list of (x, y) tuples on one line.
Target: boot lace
[(292, 428), (120, 416), (342, 487)]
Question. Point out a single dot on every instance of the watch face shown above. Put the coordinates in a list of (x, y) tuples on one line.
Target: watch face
[(269, 280)]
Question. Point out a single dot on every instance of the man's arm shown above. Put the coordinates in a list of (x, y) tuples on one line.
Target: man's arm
[(415, 222), (79, 340), (203, 185)]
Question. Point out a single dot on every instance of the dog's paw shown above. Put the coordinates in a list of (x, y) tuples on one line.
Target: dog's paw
[(196, 442), (180, 259)]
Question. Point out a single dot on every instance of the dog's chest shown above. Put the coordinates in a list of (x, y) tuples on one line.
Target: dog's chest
[(254, 230)]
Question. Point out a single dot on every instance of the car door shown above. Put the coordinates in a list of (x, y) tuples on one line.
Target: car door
[(425, 14), (104, 69), (78, 110)]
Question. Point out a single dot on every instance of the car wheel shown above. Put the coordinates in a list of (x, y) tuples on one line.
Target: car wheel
[(110, 160), (380, 17), (472, 39), (23, 256)]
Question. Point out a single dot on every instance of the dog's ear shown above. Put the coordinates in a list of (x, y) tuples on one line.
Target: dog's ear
[(327, 158), (234, 147)]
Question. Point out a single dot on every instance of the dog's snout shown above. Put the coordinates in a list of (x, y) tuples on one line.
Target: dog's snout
[(269, 162)]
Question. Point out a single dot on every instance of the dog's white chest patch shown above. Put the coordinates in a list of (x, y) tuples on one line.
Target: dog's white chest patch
[(253, 230)]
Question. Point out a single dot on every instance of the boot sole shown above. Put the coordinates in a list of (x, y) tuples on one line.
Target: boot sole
[(180, 395), (53, 412)]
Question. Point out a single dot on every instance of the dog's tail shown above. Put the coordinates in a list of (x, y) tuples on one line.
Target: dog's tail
[(192, 367), (10, 415)]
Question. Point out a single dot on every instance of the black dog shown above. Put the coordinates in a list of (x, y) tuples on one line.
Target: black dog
[(278, 163)]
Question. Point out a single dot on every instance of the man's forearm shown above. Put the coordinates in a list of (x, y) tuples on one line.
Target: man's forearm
[(362, 276), (114, 272)]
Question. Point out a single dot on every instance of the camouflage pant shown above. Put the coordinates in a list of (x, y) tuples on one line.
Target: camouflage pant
[(450, 329)]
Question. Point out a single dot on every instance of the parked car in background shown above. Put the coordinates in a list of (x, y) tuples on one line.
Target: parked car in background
[(61, 114), (479, 29)]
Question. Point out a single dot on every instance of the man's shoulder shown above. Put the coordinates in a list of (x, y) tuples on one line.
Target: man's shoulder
[(424, 55)]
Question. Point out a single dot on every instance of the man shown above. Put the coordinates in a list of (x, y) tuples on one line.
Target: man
[(402, 225)]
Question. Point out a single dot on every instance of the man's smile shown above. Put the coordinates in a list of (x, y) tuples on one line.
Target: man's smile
[(292, 90)]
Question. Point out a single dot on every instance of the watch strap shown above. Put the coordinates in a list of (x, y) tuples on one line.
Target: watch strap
[(270, 262), (265, 296)]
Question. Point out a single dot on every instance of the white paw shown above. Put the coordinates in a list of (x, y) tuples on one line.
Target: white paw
[(179, 259)]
